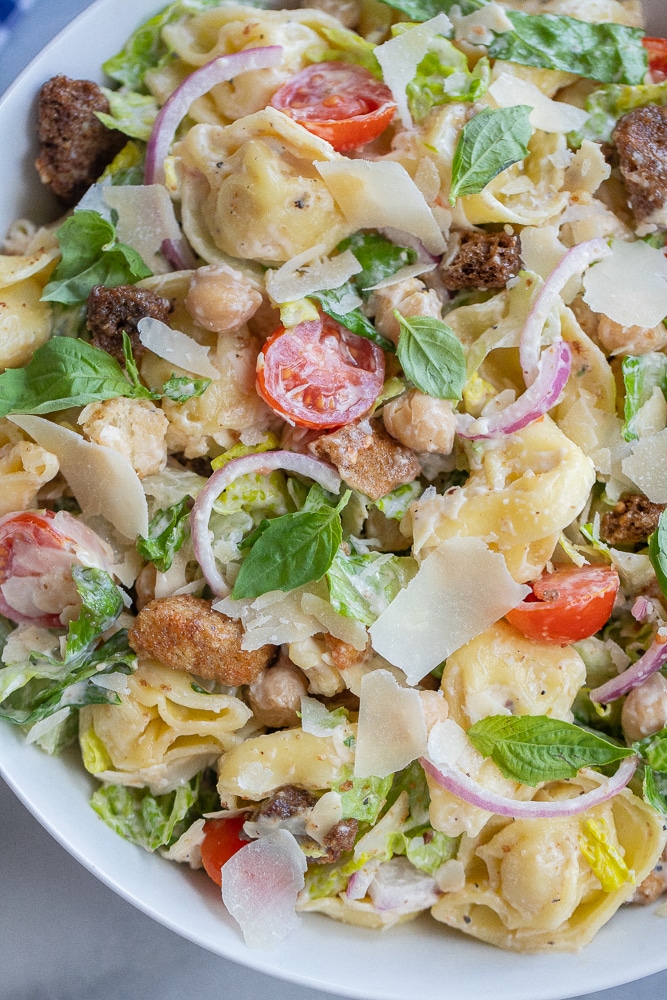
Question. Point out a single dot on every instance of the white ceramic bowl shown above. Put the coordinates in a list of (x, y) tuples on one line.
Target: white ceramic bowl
[(413, 961)]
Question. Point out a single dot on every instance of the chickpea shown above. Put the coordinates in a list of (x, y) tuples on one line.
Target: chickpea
[(645, 709), (275, 696), (410, 297), (617, 339), (221, 299), (421, 422)]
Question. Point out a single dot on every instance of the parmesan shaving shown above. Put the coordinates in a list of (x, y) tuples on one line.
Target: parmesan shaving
[(630, 285), (392, 729), (145, 219), (400, 57), (479, 27), (375, 194), (176, 347), (547, 115), (102, 480), (647, 466), (341, 627), (307, 273), (471, 588)]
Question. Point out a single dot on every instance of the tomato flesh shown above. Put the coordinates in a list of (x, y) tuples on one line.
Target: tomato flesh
[(340, 102), (569, 604), (318, 374), (222, 839), (657, 57)]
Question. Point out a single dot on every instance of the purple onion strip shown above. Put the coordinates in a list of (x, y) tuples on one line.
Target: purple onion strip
[(654, 658)]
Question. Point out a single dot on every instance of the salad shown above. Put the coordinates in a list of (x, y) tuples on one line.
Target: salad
[(333, 425)]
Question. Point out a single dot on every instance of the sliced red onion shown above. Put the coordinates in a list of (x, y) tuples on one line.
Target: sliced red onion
[(260, 884), (357, 887), (653, 659), (179, 255), (194, 86), (259, 463), (539, 397), (574, 262), (466, 788), (641, 609)]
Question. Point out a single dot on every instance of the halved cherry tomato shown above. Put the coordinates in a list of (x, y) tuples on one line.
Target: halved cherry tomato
[(37, 552), (657, 57), (569, 604), (340, 102), (221, 841), (318, 374)]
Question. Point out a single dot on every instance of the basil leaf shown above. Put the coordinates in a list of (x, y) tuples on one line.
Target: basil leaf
[(91, 255), (610, 53), (490, 142), (655, 790), (139, 391), (291, 551), (378, 256), (63, 372), (534, 748), (657, 552), (355, 321), (181, 388), (168, 531), (431, 356)]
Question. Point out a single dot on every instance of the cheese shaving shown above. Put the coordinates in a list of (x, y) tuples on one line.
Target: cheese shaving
[(102, 480), (176, 347), (308, 273), (547, 115), (400, 57), (647, 466), (630, 285), (392, 729), (145, 220), (471, 588)]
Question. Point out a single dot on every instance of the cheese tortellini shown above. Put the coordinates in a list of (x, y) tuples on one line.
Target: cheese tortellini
[(25, 321)]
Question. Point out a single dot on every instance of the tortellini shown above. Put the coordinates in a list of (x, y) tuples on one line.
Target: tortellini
[(250, 190), (163, 732), (25, 321), (526, 489), (24, 468), (528, 884)]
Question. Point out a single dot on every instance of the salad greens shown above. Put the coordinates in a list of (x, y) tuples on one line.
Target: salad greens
[(490, 142), (431, 356), (641, 375), (168, 530), (443, 77)]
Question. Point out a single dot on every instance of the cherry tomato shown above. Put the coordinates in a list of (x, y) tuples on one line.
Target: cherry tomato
[(340, 102), (657, 57), (221, 841), (318, 374), (37, 552), (569, 604)]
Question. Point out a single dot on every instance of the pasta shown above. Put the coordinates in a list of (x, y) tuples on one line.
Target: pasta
[(331, 459)]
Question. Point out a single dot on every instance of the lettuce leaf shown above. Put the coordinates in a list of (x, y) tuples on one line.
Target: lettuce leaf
[(362, 586), (168, 530), (129, 112), (607, 104), (363, 798), (443, 76), (641, 375)]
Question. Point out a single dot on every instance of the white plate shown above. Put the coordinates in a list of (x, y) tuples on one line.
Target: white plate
[(410, 962)]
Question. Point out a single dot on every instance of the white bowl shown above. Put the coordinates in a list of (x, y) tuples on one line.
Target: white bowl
[(407, 963)]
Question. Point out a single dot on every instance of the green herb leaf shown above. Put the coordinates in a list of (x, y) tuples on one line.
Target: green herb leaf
[(91, 255), (534, 748), (101, 604), (168, 530), (641, 375), (655, 790), (139, 391), (378, 256), (431, 356), (490, 142), (63, 372), (181, 388), (291, 551), (610, 53), (657, 552), (353, 320)]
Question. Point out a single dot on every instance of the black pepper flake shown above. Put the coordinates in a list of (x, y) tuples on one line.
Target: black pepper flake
[(467, 919)]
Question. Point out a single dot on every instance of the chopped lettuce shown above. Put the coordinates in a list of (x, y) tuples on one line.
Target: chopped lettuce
[(607, 104), (426, 851), (345, 46), (641, 375), (604, 859), (443, 76), (131, 113), (362, 798), (153, 821), (395, 504), (168, 530), (361, 586)]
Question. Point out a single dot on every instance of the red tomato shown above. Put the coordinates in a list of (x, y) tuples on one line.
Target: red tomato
[(340, 102), (37, 552), (318, 374), (221, 841), (657, 57), (569, 604)]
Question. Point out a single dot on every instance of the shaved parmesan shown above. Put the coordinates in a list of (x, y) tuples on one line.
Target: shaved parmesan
[(307, 273), (101, 479), (341, 627), (145, 220), (391, 731), (260, 884), (479, 27), (630, 285), (547, 115), (403, 274), (400, 57), (375, 194), (176, 347), (460, 589), (647, 466)]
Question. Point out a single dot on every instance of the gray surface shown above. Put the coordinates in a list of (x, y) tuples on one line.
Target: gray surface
[(66, 936)]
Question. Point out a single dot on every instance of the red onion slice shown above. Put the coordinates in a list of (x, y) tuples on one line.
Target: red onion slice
[(539, 397), (196, 85), (654, 658), (460, 784), (573, 263), (178, 255), (259, 463)]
